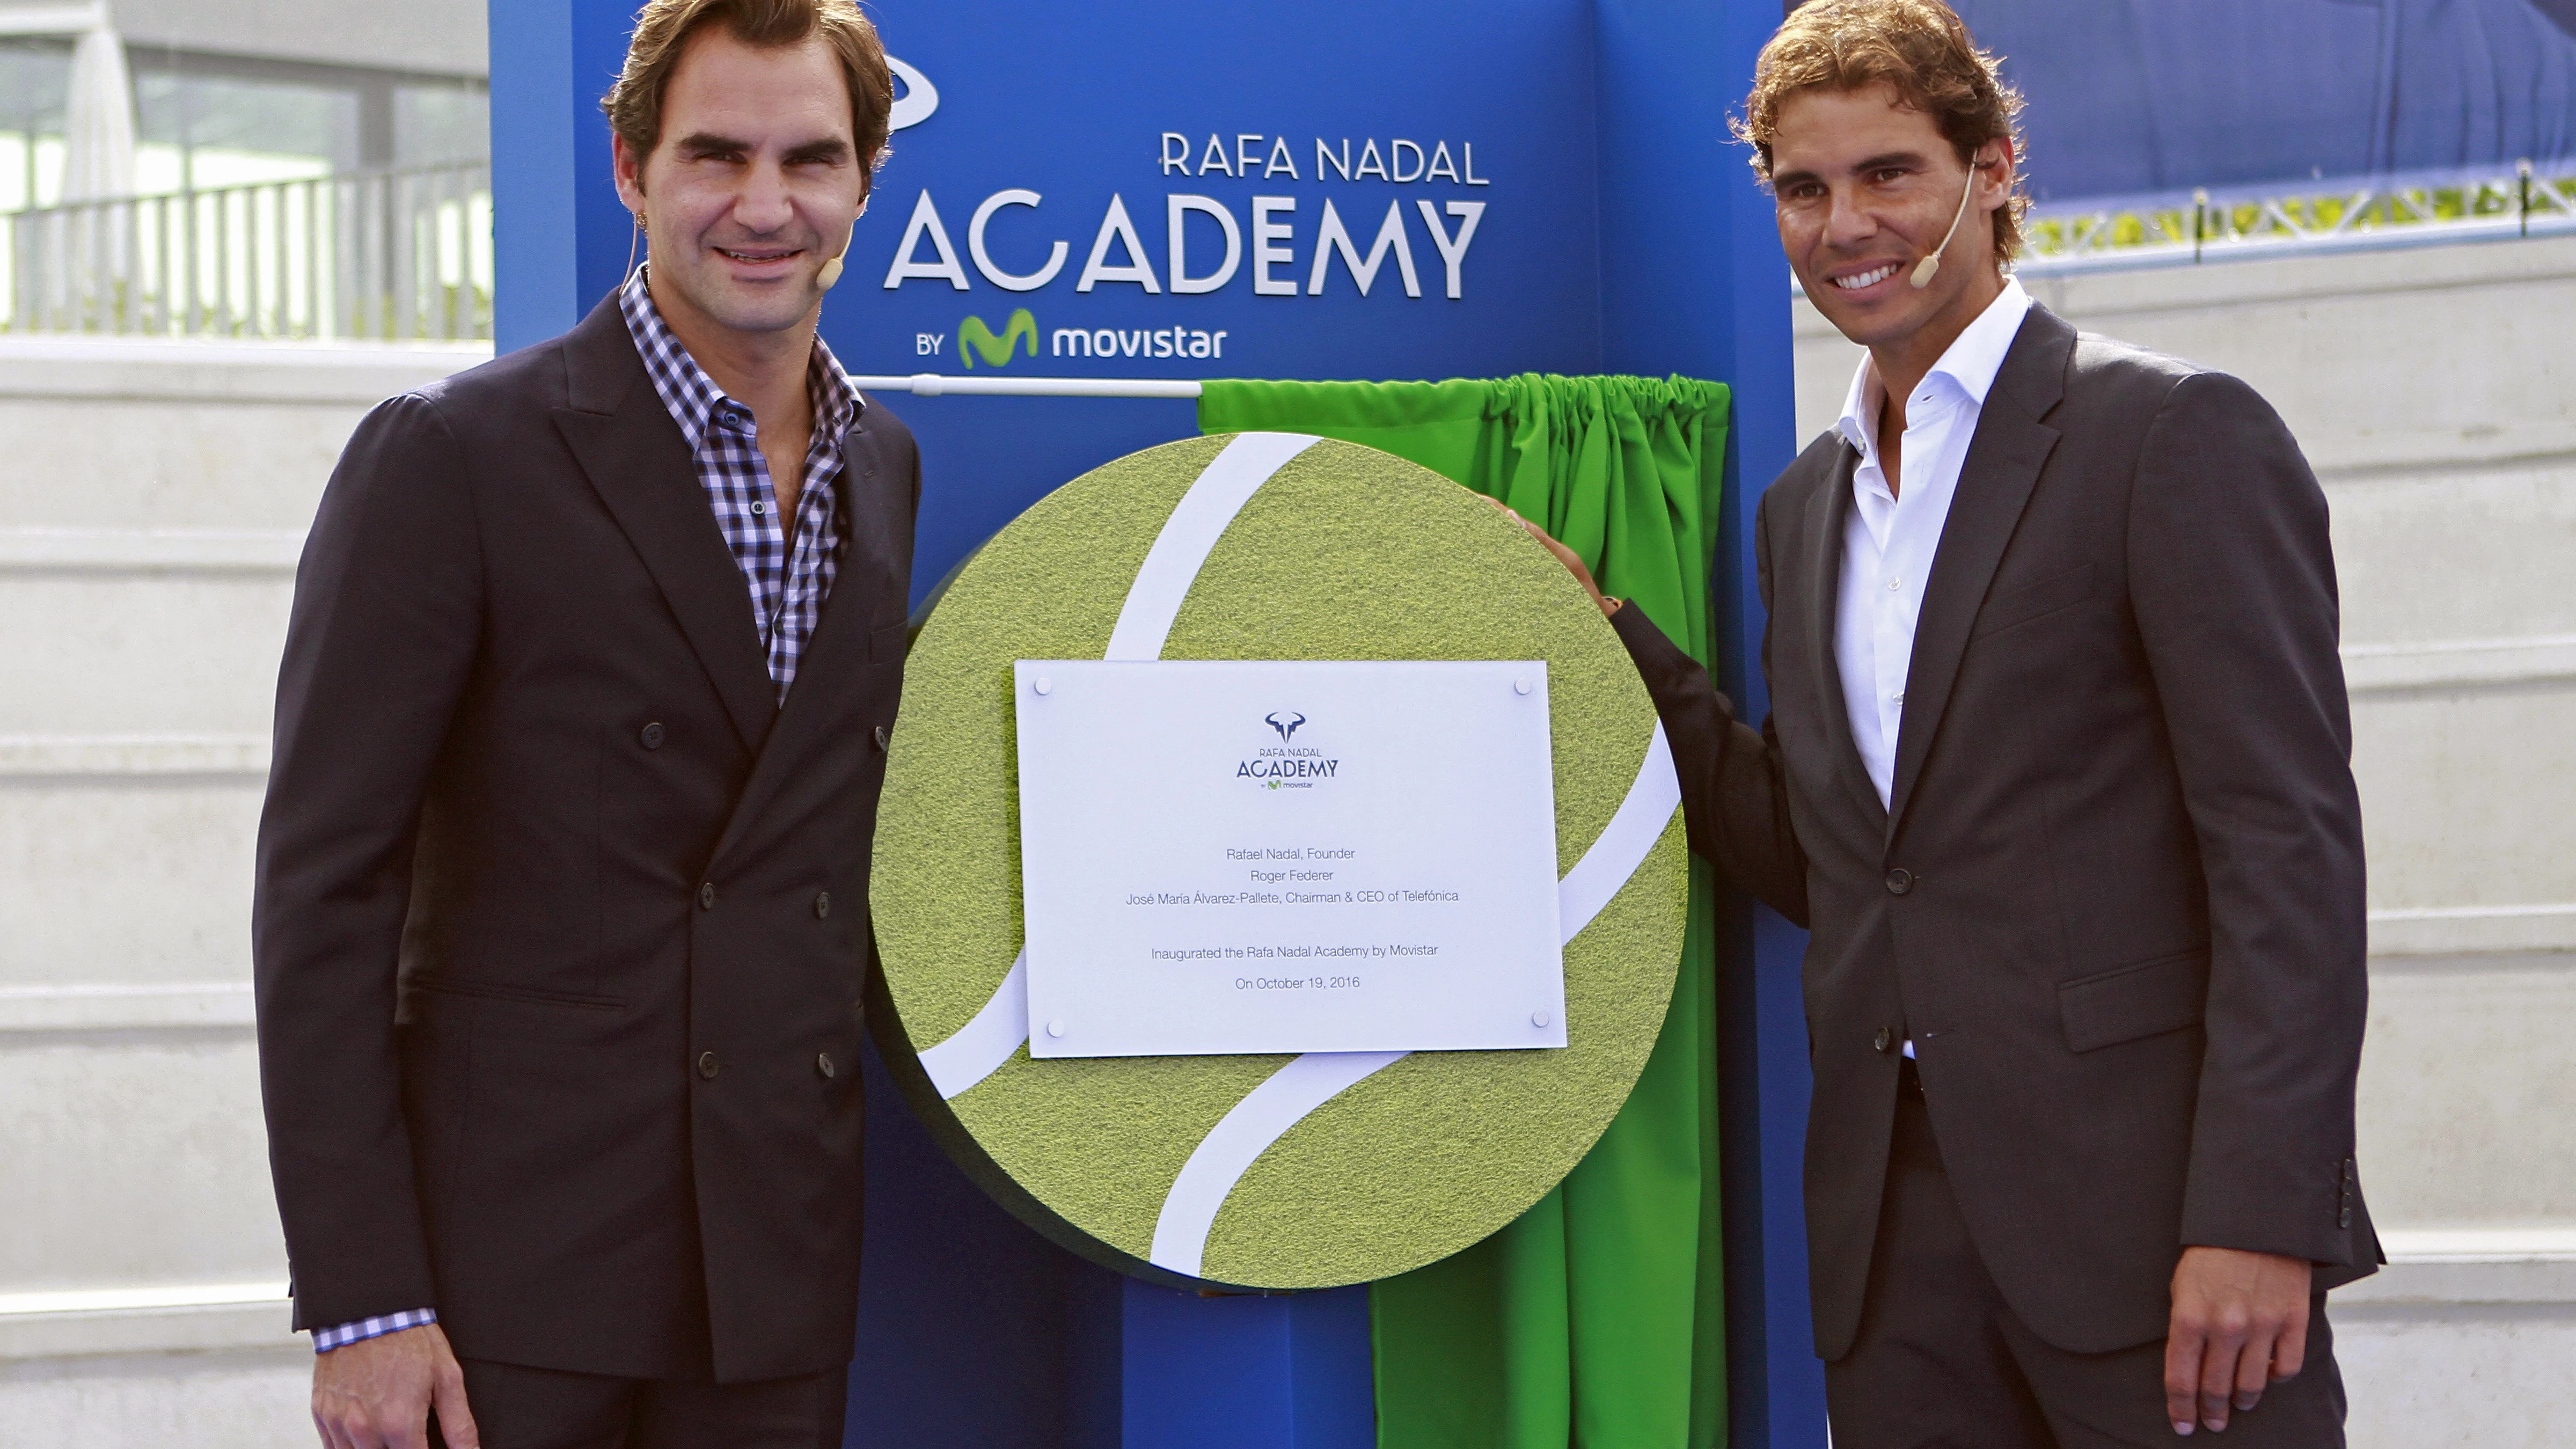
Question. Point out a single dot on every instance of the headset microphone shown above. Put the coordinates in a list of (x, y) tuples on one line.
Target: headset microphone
[(831, 273), (1926, 269)]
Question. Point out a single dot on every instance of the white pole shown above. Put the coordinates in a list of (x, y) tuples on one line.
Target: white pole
[(98, 119), (932, 384)]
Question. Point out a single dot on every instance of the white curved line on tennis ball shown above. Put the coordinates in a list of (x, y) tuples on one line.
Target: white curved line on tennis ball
[(1181, 549), (982, 1046), (1620, 849), (1265, 1114)]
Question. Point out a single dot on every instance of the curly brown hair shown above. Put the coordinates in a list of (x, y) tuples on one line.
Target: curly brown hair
[(1918, 47), (662, 31)]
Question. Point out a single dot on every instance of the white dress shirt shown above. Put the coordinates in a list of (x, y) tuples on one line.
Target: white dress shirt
[(1890, 537)]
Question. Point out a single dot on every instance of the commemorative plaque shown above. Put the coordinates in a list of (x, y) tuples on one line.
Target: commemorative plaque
[(1285, 648), (1369, 865)]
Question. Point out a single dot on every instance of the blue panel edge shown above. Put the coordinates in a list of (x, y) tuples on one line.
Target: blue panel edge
[(532, 155), (1694, 282)]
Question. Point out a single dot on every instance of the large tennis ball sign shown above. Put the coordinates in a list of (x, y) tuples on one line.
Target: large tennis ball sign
[(1264, 1172)]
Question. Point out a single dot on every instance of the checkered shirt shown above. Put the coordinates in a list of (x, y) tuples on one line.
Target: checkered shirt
[(788, 583), (789, 580), (327, 1339)]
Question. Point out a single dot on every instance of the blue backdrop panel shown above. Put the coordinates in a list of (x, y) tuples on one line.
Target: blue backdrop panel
[(1141, 101), (975, 1330), (1558, 176)]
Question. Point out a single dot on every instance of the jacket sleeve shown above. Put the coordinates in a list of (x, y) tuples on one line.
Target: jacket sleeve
[(2233, 586), (383, 633), (1735, 799)]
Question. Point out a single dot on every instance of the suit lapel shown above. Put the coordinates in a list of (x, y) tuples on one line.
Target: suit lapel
[(638, 460), (2004, 458), (1828, 513)]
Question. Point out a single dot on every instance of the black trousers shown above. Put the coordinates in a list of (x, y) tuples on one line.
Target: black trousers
[(531, 1408), (1942, 1363)]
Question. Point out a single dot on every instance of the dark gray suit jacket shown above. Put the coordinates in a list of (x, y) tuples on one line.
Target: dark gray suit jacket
[(559, 911), (2117, 902)]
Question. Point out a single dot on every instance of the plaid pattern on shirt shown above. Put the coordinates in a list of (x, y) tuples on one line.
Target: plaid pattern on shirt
[(789, 579), (327, 1339), (788, 582)]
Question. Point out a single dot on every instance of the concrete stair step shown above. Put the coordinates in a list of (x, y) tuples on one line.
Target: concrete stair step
[(91, 651), (116, 877), (137, 434)]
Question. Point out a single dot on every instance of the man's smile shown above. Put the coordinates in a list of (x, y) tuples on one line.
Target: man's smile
[(1862, 281)]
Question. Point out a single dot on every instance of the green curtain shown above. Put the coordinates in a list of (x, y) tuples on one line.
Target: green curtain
[(1597, 1319)]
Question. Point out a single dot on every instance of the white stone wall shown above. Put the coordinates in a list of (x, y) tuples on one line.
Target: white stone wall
[(2434, 391), (153, 498)]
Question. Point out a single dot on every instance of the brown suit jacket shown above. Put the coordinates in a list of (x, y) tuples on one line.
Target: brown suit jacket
[(2117, 900)]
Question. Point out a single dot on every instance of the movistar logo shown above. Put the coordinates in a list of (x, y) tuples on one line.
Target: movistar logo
[(974, 337)]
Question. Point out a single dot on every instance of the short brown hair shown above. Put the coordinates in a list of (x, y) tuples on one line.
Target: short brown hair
[(662, 31), (1918, 47)]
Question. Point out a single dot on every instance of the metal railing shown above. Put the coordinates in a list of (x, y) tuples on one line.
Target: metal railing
[(2417, 208), (390, 256)]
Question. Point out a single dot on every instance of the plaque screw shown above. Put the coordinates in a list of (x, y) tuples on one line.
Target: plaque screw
[(1540, 1018), (1044, 685), (1055, 1028), (1521, 686)]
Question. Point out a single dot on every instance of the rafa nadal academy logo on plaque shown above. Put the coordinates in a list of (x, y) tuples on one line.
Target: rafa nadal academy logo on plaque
[(1286, 765)]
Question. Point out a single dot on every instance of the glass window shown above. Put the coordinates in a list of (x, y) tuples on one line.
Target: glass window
[(441, 124), (35, 76), (232, 132)]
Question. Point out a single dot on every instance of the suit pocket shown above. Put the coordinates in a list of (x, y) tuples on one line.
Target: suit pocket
[(887, 643), (502, 1010), (2033, 601), (2129, 1002)]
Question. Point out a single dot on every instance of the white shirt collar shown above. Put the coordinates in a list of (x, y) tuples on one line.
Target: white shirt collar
[(1971, 362)]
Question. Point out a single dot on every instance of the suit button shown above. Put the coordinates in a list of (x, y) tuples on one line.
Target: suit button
[(2344, 1219), (1899, 882), (1881, 1041), (707, 1065), (823, 1064), (881, 737), (652, 736), (707, 896), (822, 911)]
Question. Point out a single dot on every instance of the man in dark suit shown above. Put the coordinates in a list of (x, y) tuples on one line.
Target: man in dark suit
[(2057, 775), (562, 900)]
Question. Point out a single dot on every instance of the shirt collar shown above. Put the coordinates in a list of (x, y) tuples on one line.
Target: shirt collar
[(693, 398), (1970, 363)]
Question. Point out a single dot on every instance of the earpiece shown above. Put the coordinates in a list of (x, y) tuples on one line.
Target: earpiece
[(1930, 267)]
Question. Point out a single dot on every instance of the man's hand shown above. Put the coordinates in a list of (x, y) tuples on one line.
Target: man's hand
[(1565, 556), (377, 1393), (2240, 1323)]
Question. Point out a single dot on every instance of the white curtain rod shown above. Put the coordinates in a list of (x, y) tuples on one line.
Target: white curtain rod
[(932, 384)]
